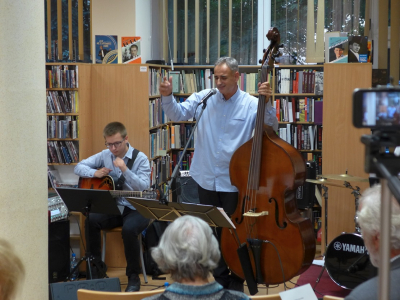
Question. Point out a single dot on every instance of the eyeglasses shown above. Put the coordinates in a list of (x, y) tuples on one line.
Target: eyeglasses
[(116, 144)]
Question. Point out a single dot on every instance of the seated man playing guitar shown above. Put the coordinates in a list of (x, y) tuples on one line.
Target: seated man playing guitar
[(132, 169)]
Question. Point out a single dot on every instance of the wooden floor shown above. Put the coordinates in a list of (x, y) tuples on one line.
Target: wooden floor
[(159, 284)]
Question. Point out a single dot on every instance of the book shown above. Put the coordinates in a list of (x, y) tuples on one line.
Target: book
[(318, 108), (358, 49), (106, 51), (329, 35), (175, 81), (319, 83), (338, 49), (131, 50)]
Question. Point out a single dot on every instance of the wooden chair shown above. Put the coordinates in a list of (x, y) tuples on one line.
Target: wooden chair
[(267, 297), (98, 295), (119, 229), (332, 298)]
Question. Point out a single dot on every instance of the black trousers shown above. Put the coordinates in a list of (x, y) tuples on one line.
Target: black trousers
[(132, 222), (228, 201)]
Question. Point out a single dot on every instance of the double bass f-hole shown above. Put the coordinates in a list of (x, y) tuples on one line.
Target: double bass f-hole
[(284, 224)]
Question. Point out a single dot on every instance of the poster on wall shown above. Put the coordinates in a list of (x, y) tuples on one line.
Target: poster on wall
[(131, 50), (106, 49)]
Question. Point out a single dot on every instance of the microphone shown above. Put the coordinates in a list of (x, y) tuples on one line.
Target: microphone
[(210, 93)]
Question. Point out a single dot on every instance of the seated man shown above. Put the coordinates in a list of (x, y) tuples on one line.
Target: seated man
[(119, 160), (188, 250), (369, 220)]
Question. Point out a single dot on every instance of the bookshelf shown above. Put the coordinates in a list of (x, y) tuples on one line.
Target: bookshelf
[(342, 149), (67, 106), (297, 97)]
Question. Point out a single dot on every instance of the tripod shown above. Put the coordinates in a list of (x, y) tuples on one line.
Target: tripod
[(89, 201)]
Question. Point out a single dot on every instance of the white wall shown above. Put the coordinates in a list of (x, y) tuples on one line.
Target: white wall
[(23, 199), (127, 18)]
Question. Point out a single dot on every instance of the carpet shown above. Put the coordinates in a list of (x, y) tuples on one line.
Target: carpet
[(325, 286)]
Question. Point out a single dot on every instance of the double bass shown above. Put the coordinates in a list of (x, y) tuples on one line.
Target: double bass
[(267, 171)]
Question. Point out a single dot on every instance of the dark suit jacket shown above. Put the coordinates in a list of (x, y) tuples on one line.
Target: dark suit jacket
[(104, 52), (352, 57), (369, 290)]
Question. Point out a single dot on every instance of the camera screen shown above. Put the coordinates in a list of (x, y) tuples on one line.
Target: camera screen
[(381, 108)]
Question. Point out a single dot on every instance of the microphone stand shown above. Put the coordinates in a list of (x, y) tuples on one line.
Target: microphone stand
[(164, 200)]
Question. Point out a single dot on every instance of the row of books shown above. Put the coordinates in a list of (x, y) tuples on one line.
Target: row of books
[(157, 116), (162, 168), (307, 109), (315, 156), (174, 136), (62, 127), (248, 82), (62, 101), (62, 152), (61, 76), (293, 81), (156, 76), (191, 81), (302, 137)]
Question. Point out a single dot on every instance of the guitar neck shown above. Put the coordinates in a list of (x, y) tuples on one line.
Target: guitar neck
[(153, 195), (116, 193)]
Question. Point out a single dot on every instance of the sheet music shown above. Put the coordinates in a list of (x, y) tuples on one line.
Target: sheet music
[(226, 216)]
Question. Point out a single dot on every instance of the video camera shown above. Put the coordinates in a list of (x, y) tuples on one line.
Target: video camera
[(379, 109)]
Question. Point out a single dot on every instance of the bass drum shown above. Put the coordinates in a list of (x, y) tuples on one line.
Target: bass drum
[(347, 261)]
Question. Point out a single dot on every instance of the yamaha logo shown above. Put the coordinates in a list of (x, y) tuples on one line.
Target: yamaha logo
[(349, 247), (337, 245)]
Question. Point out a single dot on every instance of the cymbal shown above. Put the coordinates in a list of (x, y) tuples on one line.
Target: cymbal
[(324, 182), (345, 177)]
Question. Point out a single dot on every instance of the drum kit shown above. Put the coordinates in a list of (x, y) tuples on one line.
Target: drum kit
[(346, 258)]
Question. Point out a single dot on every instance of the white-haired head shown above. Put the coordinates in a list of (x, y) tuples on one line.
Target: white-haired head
[(187, 249)]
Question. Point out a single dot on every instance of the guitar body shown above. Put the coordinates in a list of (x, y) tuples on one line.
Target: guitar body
[(104, 183)]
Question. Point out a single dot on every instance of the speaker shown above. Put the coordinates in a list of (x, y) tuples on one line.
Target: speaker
[(59, 253), (68, 290), (187, 190), (305, 194)]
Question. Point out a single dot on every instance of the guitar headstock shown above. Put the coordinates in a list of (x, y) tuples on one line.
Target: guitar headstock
[(272, 51)]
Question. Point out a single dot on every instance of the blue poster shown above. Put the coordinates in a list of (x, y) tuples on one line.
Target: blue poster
[(106, 51)]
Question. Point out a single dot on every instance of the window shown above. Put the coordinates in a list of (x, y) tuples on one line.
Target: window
[(201, 31)]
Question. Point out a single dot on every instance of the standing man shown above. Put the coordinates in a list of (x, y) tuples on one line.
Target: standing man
[(102, 53), (369, 218), (114, 161), (226, 124)]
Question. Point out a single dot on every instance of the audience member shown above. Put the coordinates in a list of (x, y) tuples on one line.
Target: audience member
[(12, 271), (369, 220), (188, 250)]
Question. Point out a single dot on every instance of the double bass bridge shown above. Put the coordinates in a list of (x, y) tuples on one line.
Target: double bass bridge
[(253, 214)]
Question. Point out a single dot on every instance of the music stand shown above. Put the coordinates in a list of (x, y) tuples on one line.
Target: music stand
[(87, 201), (153, 209)]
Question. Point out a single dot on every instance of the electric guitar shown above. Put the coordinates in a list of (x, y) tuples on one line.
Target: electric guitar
[(107, 183)]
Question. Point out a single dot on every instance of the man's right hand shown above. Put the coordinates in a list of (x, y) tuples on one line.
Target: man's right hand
[(101, 172), (166, 86)]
